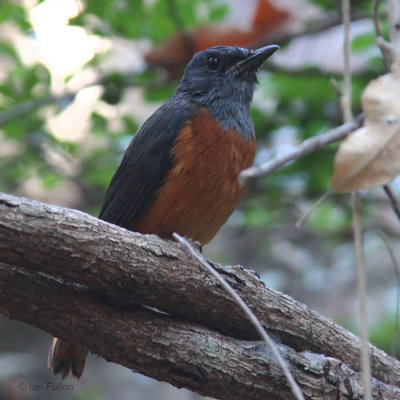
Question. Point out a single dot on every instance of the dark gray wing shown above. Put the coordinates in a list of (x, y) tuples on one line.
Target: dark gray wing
[(145, 165)]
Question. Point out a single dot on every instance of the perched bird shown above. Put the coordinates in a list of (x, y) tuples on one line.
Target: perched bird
[(180, 171)]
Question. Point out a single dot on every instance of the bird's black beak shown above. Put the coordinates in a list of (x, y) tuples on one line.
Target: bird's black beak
[(256, 58)]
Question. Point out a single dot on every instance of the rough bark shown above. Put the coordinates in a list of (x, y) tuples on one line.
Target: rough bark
[(94, 274)]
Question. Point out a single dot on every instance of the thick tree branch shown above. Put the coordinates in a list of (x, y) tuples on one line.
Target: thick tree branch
[(92, 273), (186, 355)]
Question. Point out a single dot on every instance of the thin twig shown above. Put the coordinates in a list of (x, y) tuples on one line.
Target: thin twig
[(336, 88), (380, 41), (393, 17), (387, 49), (346, 97), (254, 320), (304, 218), (393, 201), (377, 25), (357, 225), (362, 295), (397, 273), (307, 147)]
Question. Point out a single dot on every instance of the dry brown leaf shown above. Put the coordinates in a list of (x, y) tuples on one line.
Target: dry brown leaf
[(370, 155)]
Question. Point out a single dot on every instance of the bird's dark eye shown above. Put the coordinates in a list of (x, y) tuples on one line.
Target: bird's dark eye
[(213, 63)]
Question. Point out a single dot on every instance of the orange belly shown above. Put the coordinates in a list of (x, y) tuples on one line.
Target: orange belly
[(201, 190)]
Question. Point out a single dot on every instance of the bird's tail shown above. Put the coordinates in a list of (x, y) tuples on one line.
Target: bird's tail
[(65, 357)]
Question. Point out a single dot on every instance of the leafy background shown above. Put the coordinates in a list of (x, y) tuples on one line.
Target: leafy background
[(74, 88)]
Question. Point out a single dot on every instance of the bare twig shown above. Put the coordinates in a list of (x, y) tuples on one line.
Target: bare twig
[(346, 97), (393, 17), (336, 88), (393, 201), (307, 147), (304, 218), (377, 25), (357, 225), (254, 320), (362, 295), (385, 47)]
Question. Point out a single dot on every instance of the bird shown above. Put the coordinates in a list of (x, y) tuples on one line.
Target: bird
[(180, 171)]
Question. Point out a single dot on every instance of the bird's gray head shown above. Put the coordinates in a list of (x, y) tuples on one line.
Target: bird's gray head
[(223, 79)]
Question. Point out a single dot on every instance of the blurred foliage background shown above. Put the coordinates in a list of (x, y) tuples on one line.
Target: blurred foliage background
[(78, 77)]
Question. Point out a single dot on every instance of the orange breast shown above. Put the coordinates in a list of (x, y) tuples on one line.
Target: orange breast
[(201, 189)]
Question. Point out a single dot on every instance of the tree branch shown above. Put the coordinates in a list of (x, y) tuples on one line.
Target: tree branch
[(93, 274), (180, 353), (309, 146)]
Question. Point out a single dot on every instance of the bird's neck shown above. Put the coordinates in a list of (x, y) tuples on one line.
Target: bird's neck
[(233, 114)]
